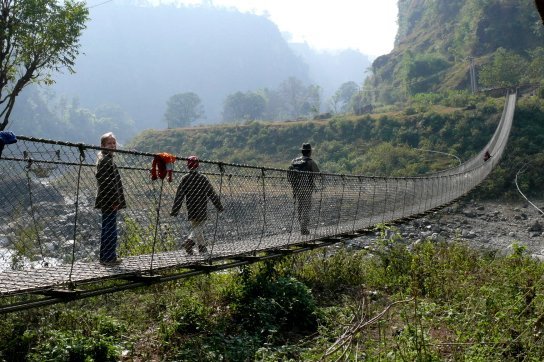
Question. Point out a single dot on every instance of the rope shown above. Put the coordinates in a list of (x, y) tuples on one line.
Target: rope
[(520, 171)]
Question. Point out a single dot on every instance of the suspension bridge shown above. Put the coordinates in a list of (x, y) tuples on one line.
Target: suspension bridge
[(50, 230)]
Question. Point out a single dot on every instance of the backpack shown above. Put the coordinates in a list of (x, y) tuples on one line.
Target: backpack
[(6, 138), (298, 164)]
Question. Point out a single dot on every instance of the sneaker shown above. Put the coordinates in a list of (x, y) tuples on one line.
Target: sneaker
[(188, 245), (202, 249)]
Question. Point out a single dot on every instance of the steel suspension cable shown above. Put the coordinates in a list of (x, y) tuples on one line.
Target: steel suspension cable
[(520, 171)]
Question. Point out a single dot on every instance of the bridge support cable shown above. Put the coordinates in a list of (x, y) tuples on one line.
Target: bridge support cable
[(520, 171), (259, 214)]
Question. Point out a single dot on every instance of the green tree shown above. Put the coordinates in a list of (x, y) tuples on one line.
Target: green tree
[(423, 72), (243, 106), (274, 104), (37, 38), (342, 97), (293, 92), (505, 70), (182, 109), (312, 103), (299, 100), (111, 117), (535, 70)]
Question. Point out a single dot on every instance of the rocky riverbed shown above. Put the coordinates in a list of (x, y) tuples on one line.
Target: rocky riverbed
[(491, 225)]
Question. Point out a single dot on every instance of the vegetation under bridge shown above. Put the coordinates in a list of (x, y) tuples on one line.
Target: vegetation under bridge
[(50, 230)]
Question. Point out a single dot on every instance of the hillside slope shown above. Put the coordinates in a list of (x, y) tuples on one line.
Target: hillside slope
[(437, 39)]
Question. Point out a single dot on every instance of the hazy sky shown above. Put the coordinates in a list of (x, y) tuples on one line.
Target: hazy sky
[(369, 26)]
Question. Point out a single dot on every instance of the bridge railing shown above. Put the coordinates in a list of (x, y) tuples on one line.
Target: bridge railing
[(48, 191)]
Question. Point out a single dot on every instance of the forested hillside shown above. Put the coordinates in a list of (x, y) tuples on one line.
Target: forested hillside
[(384, 144), (437, 40), (414, 102)]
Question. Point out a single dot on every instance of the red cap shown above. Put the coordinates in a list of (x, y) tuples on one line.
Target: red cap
[(192, 162)]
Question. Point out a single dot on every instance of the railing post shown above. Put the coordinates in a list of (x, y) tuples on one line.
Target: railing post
[(81, 159), (157, 225), (431, 204), (404, 197), (385, 201), (320, 205), (373, 201), (294, 210), (31, 201), (395, 195), (341, 203), (413, 209), (235, 211), (264, 209), (359, 178), (222, 172)]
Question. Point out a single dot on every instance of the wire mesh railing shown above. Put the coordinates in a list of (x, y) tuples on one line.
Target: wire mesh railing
[(51, 231)]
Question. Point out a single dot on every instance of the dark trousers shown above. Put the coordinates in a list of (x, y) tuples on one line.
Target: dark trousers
[(304, 199), (108, 238)]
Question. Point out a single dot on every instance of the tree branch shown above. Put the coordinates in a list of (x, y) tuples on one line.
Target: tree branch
[(347, 337)]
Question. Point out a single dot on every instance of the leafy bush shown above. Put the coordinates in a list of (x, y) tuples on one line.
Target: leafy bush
[(85, 337), (16, 340), (188, 316), (268, 304), (331, 274)]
